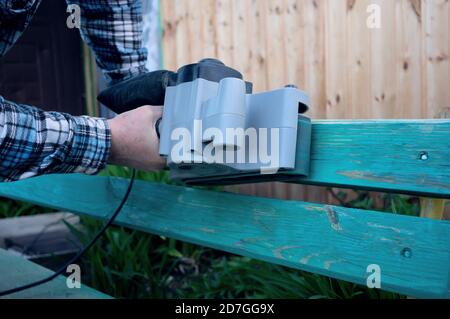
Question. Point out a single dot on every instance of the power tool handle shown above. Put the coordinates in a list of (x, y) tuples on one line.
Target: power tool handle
[(145, 89)]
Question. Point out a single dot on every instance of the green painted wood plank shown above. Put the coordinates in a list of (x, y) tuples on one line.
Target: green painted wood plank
[(400, 156), (16, 271), (408, 156), (413, 253)]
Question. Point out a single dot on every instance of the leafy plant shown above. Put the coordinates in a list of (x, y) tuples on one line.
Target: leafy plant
[(119, 171), (131, 264), (241, 277), (390, 203), (12, 208)]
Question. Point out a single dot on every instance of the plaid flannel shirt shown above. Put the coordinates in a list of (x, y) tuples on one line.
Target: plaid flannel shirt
[(34, 142)]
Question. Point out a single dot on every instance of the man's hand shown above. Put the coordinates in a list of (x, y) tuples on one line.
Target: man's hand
[(134, 139)]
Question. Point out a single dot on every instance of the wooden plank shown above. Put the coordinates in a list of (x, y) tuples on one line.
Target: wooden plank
[(32, 231), (276, 68), (409, 50), (337, 50), (240, 35), (183, 42), (257, 48), (432, 208), (409, 156), (383, 68), (35, 224), (224, 34), (16, 271), (314, 56), (194, 25), (208, 28), (435, 56), (294, 43), (328, 240), (170, 29), (358, 61)]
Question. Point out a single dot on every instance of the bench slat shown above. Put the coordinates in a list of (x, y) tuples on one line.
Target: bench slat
[(413, 253), (408, 156), (16, 271), (399, 156)]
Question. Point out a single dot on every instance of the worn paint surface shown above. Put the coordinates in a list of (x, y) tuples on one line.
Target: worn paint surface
[(16, 270), (399, 156), (328, 240), (409, 156)]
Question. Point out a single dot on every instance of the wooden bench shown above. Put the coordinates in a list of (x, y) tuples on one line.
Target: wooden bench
[(16, 270), (407, 157)]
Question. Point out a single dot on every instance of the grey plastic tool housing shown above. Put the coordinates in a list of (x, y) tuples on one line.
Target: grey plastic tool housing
[(216, 129)]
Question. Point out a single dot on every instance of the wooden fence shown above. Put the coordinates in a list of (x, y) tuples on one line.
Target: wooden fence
[(351, 71)]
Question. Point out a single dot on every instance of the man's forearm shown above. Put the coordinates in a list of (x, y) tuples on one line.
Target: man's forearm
[(34, 142)]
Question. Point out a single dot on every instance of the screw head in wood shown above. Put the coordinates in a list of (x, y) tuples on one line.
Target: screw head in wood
[(424, 156)]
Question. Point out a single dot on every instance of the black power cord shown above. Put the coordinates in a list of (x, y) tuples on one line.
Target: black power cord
[(83, 251)]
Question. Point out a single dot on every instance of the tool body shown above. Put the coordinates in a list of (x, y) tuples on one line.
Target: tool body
[(215, 130)]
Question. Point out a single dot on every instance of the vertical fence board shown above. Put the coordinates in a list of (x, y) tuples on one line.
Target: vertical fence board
[(359, 60), (240, 33), (314, 48), (293, 42), (275, 45), (408, 49), (383, 63), (336, 51), (257, 48), (224, 31), (169, 30), (435, 37)]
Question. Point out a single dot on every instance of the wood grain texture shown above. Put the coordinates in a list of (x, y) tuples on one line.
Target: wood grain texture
[(436, 56), (328, 240), (337, 50), (16, 270), (432, 208), (410, 156), (383, 64), (400, 70), (409, 50)]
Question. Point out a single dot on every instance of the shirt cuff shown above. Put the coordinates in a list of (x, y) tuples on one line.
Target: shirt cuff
[(90, 147)]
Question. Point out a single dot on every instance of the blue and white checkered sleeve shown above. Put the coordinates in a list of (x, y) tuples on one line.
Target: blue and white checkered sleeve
[(34, 142), (113, 29)]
